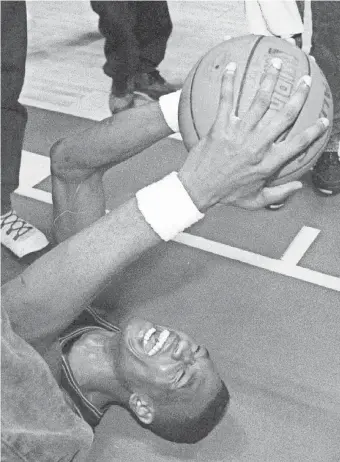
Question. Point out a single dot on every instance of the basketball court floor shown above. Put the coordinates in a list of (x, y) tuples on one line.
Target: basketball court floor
[(260, 289)]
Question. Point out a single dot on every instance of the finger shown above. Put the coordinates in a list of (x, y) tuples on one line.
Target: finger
[(226, 102), (268, 196), (287, 116), (302, 141), (262, 100), (278, 194), (287, 150)]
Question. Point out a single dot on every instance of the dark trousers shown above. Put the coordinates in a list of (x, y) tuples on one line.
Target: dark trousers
[(13, 114), (136, 34), (326, 51)]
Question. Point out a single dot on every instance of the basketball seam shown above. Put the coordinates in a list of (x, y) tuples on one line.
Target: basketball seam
[(241, 86), (310, 163), (245, 74), (191, 102)]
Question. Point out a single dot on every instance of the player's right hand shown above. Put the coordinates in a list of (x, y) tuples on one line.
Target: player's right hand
[(235, 159)]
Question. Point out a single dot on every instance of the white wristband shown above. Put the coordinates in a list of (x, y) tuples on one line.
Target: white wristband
[(169, 105), (167, 207)]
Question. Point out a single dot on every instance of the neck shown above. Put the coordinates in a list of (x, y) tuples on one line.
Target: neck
[(92, 360)]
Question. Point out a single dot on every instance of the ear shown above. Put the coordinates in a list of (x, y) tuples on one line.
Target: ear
[(142, 407)]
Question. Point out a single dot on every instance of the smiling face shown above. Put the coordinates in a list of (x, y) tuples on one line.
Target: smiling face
[(167, 366)]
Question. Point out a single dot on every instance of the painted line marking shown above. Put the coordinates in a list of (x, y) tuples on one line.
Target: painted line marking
[(92, 107), (226, 251), (286, 266), (299, 245), (33, 193), (79, 107), (34, 168), (260, 261)]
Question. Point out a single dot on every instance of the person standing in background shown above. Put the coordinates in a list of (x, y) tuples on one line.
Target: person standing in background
[(326, 51), (17, 235), (136, 35), (284, 18)]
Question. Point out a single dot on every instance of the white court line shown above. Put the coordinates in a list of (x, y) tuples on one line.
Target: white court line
[(91, 107), (286, 266), (253, 259), (226, 251), (299, 245), (33, 193), (34, 168)]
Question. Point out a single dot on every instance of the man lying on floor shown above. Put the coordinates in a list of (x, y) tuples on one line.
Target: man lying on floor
[(161, 376)]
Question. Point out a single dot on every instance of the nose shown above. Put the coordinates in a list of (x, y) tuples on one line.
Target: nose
[(183, 352)]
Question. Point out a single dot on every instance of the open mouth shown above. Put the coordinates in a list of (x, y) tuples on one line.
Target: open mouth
[(157, 340), (149, 339)]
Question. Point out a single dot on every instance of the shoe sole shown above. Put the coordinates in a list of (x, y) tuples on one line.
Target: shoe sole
[(274, 206), (128, 106), (151, 96), (326, 189), (328, 192), (144, 96)]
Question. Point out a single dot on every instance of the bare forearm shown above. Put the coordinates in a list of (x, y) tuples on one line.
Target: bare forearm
[(76, 204), (79, 162), (109, 142), (53, 291)]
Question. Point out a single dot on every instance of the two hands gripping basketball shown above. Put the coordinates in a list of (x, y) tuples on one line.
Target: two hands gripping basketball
[(238, 156)]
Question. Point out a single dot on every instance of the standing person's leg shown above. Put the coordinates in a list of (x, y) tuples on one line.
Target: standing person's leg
[(153, 29), (16, 234), (326, 50), (116, 23), (13, 114), (136, 35)]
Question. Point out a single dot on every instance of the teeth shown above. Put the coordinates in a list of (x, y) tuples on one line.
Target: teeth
[(160, 343), (148, 335)]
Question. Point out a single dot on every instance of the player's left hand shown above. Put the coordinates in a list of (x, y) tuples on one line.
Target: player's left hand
[(238, 157)]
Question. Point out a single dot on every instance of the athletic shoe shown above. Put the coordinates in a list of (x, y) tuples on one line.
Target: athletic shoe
[(275, 206), (326, 173), (120, 103), (152, 85), (19, 236), (121, 96)]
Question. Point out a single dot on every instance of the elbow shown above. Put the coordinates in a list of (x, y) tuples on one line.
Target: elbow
[(66, 162), (60, 160)]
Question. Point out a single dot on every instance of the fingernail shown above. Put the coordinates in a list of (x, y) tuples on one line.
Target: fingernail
[(230, 68), (325, 121), (226, 38), (277, 63), (307, 79), (298, 185)]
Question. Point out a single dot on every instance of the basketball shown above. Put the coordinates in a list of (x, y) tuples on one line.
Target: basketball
[(201, 92)]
